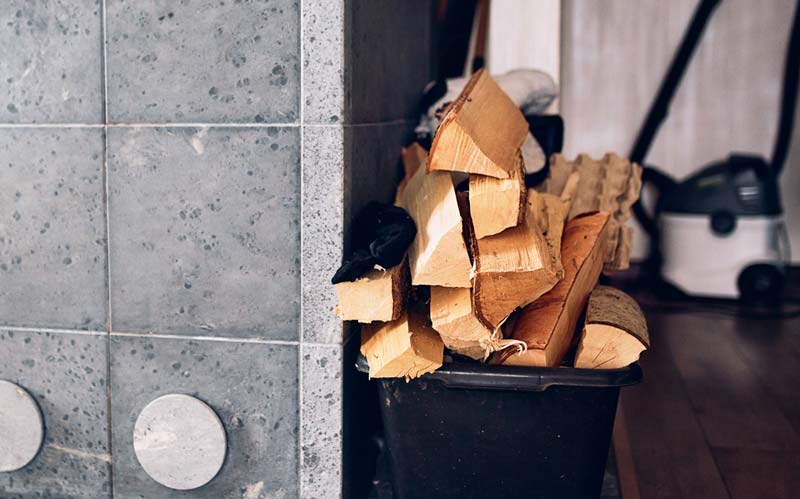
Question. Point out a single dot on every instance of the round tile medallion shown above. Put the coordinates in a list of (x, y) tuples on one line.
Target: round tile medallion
[(21, 427), (179, 441)]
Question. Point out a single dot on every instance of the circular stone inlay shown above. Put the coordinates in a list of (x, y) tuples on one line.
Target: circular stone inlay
[(21, 427), (179, 441)]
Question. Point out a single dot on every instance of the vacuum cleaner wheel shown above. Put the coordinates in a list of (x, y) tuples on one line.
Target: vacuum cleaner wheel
[(761, 283)]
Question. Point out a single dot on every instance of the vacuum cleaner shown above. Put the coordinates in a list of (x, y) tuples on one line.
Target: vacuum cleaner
[(720, 233)]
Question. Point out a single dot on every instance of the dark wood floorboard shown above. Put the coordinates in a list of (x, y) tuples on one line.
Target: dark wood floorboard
[(718, 414), (731, 402), (776, 361), (759, 474), (671, 457)]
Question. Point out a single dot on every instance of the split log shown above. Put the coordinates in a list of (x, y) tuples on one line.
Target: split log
[(513, 268), (414, 157), (568, 192), (614, 333), (405, 348), (611, 184), (481, 132), (550, 213), (548, 324), (453, 318), (438, 256), (497, 204), (379, 295)]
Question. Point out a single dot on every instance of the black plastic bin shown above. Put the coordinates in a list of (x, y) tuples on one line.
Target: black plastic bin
[(477, 431)]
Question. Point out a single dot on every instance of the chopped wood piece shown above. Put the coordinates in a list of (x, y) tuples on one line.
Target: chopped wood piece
[(378, 296), (550, 212), (482, 131), (453, 318), (405, 348), (497, 204), (414, 157), (548, 324), (512, 268), (568, 192), (611, 184), (438, 256), (614, 333)]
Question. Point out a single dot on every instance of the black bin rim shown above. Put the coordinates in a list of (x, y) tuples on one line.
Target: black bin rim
[(520, 378)]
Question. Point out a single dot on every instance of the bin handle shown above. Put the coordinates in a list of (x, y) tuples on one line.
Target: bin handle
[(522, 379), (530, 379)]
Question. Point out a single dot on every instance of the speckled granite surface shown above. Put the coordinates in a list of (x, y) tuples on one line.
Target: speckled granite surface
[(177, 181)]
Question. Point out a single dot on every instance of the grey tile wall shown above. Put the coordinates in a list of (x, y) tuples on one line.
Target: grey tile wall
[(321, 445), (251, 387), (177, 181), (52, 228), (66, 374), (324, 49), (323, 226), (51, 61), (205, 231), (203, 61)]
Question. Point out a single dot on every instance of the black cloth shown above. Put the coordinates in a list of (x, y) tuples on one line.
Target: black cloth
[(381, 235)]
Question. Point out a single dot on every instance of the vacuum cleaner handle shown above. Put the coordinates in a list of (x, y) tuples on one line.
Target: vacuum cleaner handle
[(662, 182)]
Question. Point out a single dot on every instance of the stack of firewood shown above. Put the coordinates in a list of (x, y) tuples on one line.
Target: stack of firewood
[(498, 272)]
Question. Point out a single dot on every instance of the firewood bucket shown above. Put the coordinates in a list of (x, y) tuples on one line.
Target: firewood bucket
[(480, 431)]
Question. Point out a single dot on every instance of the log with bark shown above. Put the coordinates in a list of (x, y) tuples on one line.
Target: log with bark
[(547, 325), (614, 333), (517, 266), (482, 131)]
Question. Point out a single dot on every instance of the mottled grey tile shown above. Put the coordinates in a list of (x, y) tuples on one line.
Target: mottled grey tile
[(205, 231), (50, 62), (66, 374), (253, 389), (52, 228), (323, 61), (389, 58), (207, 61), (321, 448), (323, 200)]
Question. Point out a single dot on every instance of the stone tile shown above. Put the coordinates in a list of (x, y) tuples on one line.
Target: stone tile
[(323, 61), (66, 374), (251, 386), (51, 62), (321, 446), (323, 191), (52, 228), (205, 231), (389, 54), (203, 62)]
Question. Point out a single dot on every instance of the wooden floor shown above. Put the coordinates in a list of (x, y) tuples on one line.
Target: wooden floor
[(718, 414)]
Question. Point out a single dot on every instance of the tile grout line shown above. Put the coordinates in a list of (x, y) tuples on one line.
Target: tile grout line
[(104, 69), (221, 339), (206, 125), (301, 322), (29, 329)]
